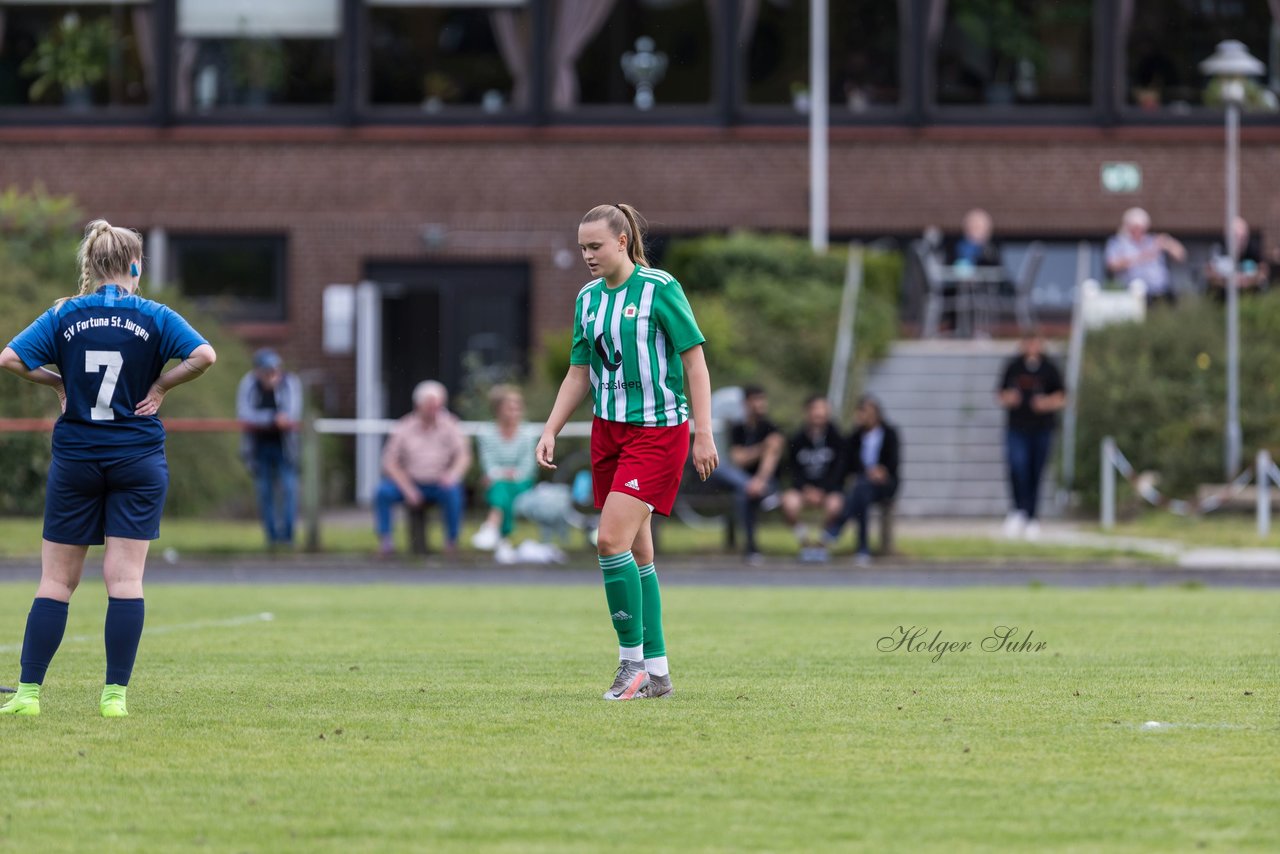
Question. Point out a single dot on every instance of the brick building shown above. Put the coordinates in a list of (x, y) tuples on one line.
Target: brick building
[(467, 212)]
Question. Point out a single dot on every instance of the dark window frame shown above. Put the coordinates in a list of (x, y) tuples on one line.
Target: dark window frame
[(882, 115), (336, 113), (276, 242), (363, 111), (917, 106), (140, 114)]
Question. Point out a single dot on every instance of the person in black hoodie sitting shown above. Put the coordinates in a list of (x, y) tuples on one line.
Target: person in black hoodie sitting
[(871, 456), (815, 461)]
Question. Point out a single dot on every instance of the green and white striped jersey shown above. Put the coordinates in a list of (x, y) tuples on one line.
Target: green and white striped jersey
[(630, 338)]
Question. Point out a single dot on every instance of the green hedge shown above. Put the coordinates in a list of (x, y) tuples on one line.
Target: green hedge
[(38, 239), (1160, 389), (769, 307)]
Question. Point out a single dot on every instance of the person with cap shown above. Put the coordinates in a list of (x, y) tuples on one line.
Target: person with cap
[(269, 406)]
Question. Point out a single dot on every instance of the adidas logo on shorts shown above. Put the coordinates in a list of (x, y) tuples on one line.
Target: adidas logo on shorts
[(634, 483)]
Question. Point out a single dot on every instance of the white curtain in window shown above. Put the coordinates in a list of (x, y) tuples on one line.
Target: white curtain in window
[(212, 19), (576, 21), (510, 30)]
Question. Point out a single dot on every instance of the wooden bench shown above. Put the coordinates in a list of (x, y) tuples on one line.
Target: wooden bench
[(885, 511), (415, 519)]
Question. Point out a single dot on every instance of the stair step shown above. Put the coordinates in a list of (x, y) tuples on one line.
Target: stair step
[(973, 508)]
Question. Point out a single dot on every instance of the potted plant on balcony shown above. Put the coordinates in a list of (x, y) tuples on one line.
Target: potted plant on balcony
[(70, 58), (257, 69)]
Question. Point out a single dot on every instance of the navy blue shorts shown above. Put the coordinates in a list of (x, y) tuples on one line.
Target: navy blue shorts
[(87, 501)]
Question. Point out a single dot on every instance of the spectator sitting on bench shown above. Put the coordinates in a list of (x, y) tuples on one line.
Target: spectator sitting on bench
[(424, 461), (506, 449), (816, 467), (755, 450), (871, 456)]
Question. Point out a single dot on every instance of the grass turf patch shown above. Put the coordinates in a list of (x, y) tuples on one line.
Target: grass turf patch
[(20, 538), (469, 718)]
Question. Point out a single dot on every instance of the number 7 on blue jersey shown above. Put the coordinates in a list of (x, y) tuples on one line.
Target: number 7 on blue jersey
[(111, 361)]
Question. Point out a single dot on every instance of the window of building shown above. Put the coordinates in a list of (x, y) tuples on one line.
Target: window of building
[(251, 55), (237, 278), (76, 56), (863, 55), (640, 55), (1004, 53), (1165, 41), (437, 55)]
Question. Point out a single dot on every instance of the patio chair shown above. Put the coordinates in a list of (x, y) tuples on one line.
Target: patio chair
[(937, 300)]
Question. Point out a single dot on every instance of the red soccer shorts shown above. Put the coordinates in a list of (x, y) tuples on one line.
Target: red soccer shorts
[(645, 462)]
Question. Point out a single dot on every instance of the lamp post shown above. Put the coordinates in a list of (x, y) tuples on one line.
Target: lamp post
[(1230, 65)]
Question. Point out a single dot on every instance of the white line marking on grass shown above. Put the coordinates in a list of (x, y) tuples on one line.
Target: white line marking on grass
[(230, 622), (1165, 725)]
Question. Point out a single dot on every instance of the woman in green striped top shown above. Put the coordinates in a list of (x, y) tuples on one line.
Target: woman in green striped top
[(637, 351), (506, 449)]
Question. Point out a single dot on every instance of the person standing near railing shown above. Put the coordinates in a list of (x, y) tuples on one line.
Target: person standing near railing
[(269, 406), (638, 350), (108, 476)]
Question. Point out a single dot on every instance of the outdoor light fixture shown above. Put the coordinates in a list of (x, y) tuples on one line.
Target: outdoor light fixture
[(644, 68), (1230, 65)]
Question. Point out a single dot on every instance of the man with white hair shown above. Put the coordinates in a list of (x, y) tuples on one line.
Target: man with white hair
[(423, 462), (1135, 254)]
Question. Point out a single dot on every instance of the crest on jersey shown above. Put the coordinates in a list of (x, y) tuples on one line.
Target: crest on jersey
[(630, 311)]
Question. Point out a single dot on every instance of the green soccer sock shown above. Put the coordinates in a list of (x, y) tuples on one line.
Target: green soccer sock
[(626, 602), (655, 646)]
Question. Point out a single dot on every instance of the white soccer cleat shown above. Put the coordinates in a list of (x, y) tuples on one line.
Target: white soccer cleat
[(1032, 530)]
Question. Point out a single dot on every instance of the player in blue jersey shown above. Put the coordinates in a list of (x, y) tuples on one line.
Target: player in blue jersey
[(108, 476)]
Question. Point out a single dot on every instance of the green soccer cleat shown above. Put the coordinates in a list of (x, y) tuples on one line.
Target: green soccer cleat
[(112, 702), (25, 702)]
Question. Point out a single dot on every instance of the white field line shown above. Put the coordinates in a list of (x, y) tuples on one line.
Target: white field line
[(230, 622)]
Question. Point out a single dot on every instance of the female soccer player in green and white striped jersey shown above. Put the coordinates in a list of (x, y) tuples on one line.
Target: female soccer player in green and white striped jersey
[(638, 350)]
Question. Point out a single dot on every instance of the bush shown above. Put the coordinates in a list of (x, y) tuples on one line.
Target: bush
[(1160, 389), (38, 239), (770, 307)]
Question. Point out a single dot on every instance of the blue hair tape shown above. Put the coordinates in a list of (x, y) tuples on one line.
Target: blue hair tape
[(133, 269)]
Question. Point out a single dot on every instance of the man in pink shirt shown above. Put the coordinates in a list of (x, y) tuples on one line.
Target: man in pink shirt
[(424, 461)]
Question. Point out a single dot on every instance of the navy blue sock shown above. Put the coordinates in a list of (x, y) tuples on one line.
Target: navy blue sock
[(122, 633), (45, 624)]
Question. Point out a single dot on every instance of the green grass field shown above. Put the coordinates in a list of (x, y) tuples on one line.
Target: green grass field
[(381, 718)]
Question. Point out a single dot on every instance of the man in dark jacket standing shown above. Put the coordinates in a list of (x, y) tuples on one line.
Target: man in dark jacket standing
[(269, 406), (871, 456)]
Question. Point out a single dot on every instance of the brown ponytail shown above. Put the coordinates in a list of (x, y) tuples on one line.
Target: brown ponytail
[(105, 253), (623, 219)]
